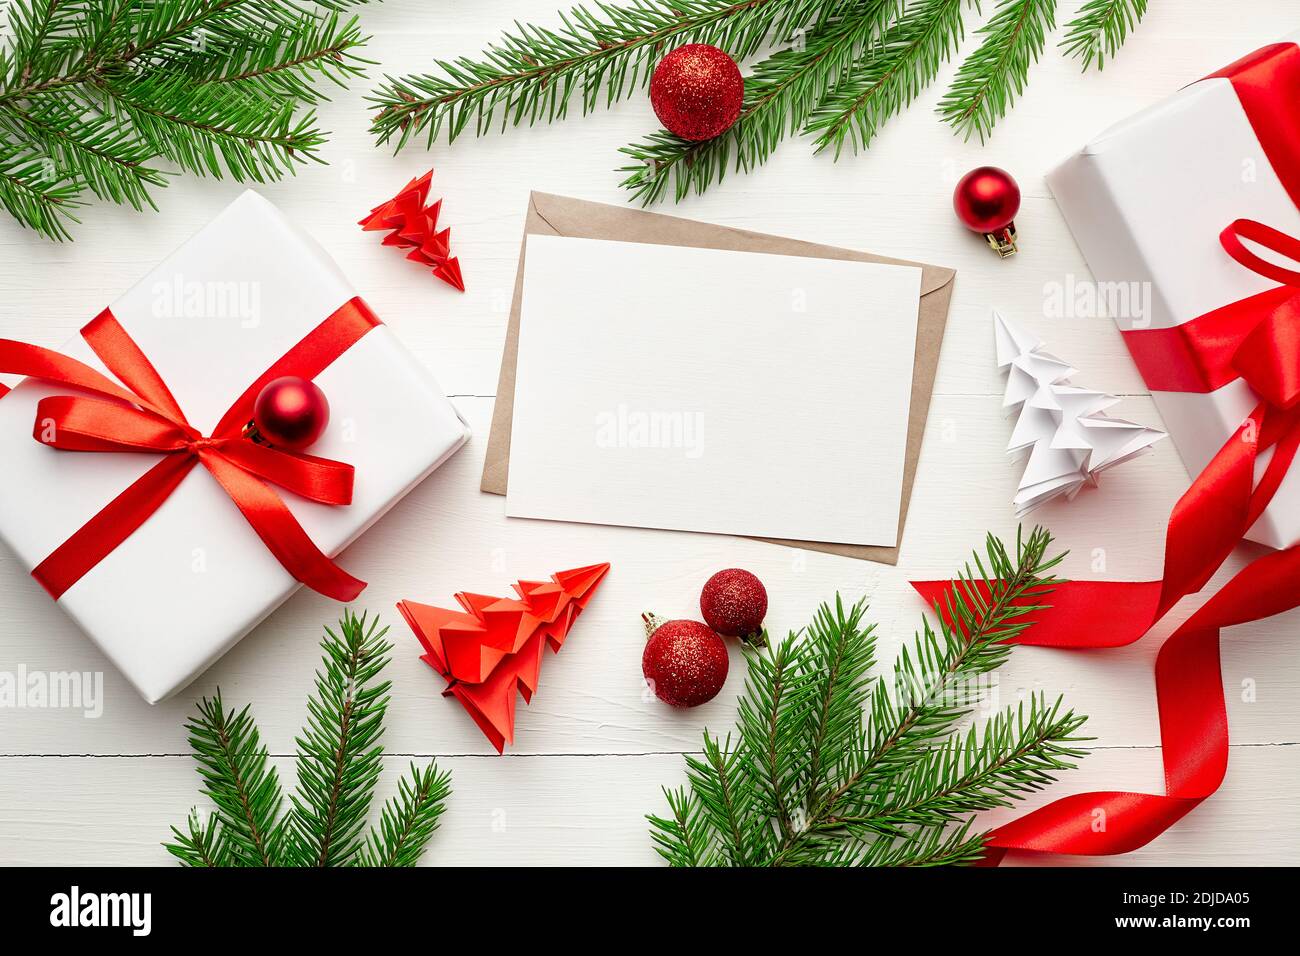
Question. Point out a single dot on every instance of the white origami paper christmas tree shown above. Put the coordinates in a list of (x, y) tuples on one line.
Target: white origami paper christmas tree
[(1068, 439)]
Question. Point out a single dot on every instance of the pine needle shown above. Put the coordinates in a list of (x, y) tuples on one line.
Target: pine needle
[(885, 79), (990, 79), (1101, 28)]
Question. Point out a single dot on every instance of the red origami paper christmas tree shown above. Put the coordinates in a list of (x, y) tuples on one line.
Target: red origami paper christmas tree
[(414, 226), (494, 647)]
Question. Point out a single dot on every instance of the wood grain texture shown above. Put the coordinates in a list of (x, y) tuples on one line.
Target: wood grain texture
[(519, 810), (592, 750)]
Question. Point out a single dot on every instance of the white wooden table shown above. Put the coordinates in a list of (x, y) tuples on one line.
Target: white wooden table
[(591, 751)]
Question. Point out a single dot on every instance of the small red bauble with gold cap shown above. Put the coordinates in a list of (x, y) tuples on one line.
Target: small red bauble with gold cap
[(986, 201), (290, 413)]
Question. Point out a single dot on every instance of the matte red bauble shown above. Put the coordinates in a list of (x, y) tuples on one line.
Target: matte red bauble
[(696, 91), (734, 603), (986, 201), (685, 662), (291, 413)]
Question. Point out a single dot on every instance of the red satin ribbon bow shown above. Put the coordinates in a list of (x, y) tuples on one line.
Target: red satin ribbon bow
[(144, 417), (1257, 339)]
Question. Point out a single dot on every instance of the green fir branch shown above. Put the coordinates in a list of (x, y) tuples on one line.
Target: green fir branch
[(239, 780), (338, 762), (990, 79), (600, 53), (171, 30), (35, 191), (287, 61), (955, 846), (1014, 753), (40, 43), (839, 668), (1101, 28), (101, 90), (102, 155), (780, 93), (211, 130), (885, 79), (729, 801), (683, 838), (840, 69), (409, 819), (937, 681), (339, 752), (773, 715), (200, 844), (834, 768)]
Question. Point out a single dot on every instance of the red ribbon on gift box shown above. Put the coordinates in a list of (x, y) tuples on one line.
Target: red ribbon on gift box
[(144, 417), (1258, 340)]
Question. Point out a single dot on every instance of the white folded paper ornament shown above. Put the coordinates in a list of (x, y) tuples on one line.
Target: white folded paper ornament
[(1062, 428)]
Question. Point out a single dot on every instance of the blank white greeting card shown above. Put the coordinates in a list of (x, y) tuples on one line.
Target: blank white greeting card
[(709, 390)]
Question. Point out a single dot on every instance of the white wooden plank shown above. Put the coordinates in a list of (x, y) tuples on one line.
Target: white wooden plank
[(566, 809)]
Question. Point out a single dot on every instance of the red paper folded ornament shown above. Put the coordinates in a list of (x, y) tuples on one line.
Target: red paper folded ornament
[(494, 647), (414, 226)]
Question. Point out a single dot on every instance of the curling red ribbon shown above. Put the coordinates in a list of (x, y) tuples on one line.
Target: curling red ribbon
[(1258, 340), (141, 415)]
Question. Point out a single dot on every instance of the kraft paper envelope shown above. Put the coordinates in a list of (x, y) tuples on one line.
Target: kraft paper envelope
[(551, 215)]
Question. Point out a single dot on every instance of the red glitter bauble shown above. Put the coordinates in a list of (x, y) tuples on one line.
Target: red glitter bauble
[(734, 603), (986, 199), (684, 661), (291, 413), (696, 91)]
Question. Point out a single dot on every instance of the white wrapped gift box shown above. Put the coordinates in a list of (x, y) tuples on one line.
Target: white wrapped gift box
[(195, 578), (1146, 201)]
